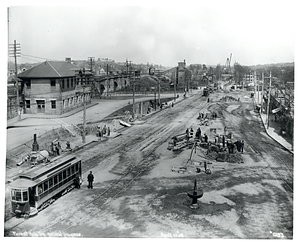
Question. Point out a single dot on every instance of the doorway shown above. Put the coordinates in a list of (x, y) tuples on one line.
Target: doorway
[(40, 106)]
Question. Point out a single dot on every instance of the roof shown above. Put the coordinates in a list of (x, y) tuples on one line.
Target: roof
[(50, 69), (48, 168)]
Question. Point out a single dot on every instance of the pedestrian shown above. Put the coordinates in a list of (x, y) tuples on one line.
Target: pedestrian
[(205, 165), (223, 140), (90, 179), (192, 133), (208, 100), (108, 131)]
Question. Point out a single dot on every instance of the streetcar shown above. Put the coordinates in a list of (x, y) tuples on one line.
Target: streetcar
[(38, 187)]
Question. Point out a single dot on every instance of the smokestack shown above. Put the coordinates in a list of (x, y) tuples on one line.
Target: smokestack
[(35, 145)]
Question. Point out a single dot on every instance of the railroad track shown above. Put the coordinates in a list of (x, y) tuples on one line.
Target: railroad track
[(148, 150), (141, 167)]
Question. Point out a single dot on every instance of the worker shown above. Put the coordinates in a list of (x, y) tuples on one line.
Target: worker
[(205, 138), (192, 133), (187, 134), (90, 179)]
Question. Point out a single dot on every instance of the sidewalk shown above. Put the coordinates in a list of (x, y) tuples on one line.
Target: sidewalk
[(271, 131)]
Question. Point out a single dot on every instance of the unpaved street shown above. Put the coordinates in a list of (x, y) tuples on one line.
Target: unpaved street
[(137, 195)]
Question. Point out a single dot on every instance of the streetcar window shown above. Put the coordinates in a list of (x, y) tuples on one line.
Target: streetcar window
[(50, 182), (45, 185), (40, 188), (68, 172), (64, 174), (13, 195), (72, 169), (25, 196), (55, 180), (76, 167), (18, 196), (60, 177)]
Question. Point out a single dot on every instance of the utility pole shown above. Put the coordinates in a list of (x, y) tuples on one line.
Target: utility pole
[(133, 95), (269, 97), (262, 92), (255, 87), (15, 51), (91, 62), (175, 82), (84, 105)]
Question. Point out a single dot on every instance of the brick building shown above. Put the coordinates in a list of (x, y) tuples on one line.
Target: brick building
[(53, 87)]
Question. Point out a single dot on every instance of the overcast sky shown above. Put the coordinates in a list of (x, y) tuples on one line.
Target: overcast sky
[(253, 32)]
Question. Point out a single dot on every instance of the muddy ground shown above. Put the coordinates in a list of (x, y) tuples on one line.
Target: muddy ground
[(249, 200)]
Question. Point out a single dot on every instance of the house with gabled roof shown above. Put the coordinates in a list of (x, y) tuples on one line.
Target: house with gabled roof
[(54, 87)]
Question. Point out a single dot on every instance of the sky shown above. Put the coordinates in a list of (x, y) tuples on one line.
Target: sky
[(255, 32)]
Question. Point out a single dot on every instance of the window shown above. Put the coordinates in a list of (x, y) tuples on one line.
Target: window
[(50, 182), (60, 177), (25, 196), (72, 82), (28, 84), (64, 174), (72, 169), (18, 196), (62, 83), (40, 188), (13, 195), (45, 185), (55, 180), (68, 172), (53, 104), (52, 82), (68, 83), (76, 167), (27, 102)]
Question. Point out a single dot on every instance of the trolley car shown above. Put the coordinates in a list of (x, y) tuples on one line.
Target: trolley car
[(39, 186)]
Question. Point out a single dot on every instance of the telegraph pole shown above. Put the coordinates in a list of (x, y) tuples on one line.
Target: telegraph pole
[(262, 92), (91, 62), (133, 97), (175, 82), (15, 51), (269, 97)]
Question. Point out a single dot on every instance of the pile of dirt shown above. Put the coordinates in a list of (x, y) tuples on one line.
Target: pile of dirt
[(228, 99), (229, 157)]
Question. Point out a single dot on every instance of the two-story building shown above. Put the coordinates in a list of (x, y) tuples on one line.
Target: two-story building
[(54, 87)]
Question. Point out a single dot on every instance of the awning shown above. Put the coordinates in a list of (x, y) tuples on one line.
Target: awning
[(276, 110)]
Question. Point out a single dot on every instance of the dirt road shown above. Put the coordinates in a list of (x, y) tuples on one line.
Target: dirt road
[(137, 195)]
